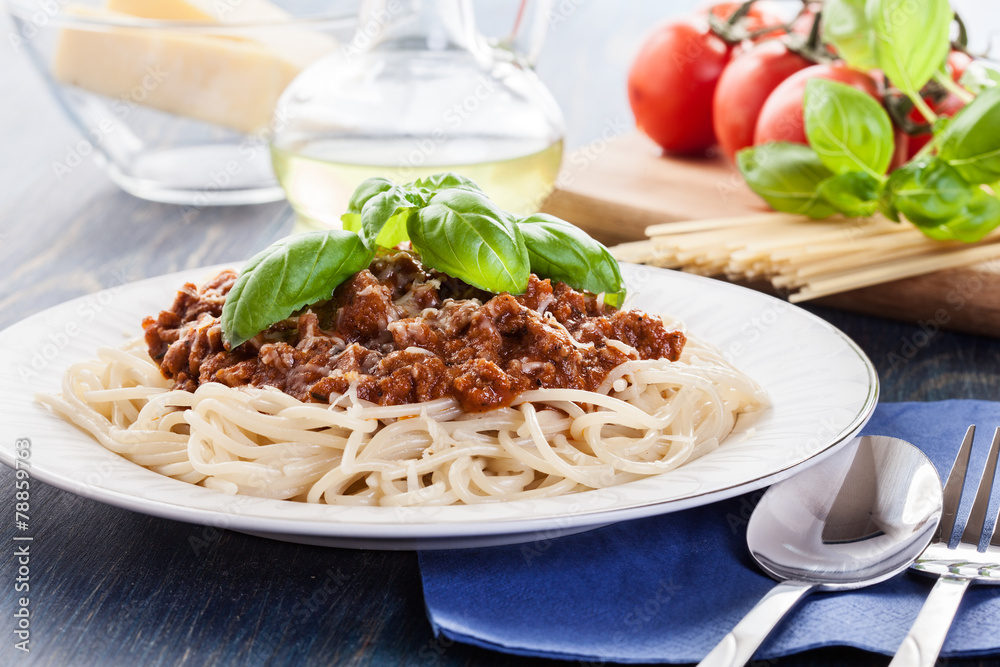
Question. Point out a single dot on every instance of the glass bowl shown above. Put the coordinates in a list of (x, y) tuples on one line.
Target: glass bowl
[(175, 97)]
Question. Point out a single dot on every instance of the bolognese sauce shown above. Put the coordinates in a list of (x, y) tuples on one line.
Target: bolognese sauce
[(399, 332)]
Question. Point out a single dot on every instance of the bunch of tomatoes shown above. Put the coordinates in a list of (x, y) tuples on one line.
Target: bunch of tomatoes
[(734, 75)]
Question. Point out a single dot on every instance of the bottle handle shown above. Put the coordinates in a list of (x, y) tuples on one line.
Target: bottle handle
[(531, 23)]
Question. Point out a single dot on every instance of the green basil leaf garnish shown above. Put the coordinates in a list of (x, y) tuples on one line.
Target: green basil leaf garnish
[(445, 181), (463, 234), (848, 129), (787, 177), (564, 252), (928, 192), (384, 216), (971, 141), (292, 273), (368, 189), (454, 226), (855, 194), (912, 39), (847, 28), (351, 222)]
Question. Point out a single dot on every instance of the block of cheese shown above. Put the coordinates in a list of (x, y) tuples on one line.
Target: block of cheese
[(296, 45), (241, 11), (230, 82)]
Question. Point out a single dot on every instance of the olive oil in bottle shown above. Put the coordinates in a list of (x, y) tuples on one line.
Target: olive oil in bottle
[(319, 177)]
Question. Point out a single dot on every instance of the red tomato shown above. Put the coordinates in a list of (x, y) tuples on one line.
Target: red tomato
[(781, 117), (743, 88), (671, 84), (949, 106)]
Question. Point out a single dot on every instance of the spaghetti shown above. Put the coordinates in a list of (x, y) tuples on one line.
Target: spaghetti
[(649, 417)]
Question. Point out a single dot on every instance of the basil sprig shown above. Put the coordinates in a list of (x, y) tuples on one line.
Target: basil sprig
[(454, 227), (292, 273), (851, 146), (949, 190), (457, 230)]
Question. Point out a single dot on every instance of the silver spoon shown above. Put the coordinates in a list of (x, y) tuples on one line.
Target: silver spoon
[(855, 519)]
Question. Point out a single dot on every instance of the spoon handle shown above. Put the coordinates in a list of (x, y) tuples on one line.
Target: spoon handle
[(923, 644), (736, 648)]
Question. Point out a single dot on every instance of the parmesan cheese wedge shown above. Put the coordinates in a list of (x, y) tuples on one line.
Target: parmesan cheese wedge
[(200, 10), (230, 82), (297, 46)]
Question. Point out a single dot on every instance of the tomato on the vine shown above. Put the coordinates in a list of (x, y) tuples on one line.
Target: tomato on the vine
[(781, 118), (672, 81), (744, 87)]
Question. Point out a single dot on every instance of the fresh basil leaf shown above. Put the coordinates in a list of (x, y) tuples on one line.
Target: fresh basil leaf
[(564, 252), (927, 192), (288, 275), (462, 233), (445, 181), (786, 175), (847, 128), (887, 207), (971, 141), (384, 216), (846, 27), (351, 222), (855, 194), (368, 189), (978, 77), (912, 39), (979, 217)]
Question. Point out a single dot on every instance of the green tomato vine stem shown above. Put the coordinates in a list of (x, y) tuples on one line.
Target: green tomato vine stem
[(923, 108), (949, 84)]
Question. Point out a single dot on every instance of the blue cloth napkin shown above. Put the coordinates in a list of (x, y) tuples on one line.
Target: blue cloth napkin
[(667, 588)]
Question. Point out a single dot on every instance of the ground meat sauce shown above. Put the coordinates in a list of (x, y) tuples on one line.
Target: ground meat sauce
[(402, 333)]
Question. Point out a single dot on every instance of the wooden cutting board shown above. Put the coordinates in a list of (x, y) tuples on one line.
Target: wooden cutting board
[(615, 188)]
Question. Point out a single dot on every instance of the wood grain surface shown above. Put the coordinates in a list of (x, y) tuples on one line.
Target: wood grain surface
[(617, 187), (112, 587)]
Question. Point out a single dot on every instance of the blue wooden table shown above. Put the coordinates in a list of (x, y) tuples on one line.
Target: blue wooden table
[(111, 587)]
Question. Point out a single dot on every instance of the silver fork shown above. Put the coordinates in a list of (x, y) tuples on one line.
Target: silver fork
[(955, 566)]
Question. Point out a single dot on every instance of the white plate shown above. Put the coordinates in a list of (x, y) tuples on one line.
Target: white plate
[(822, 387)]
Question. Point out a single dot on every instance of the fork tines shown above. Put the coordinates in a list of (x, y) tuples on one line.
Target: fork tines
[(976, 529)]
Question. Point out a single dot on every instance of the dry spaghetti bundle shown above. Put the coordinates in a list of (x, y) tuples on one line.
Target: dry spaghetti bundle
[(810, 258)]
